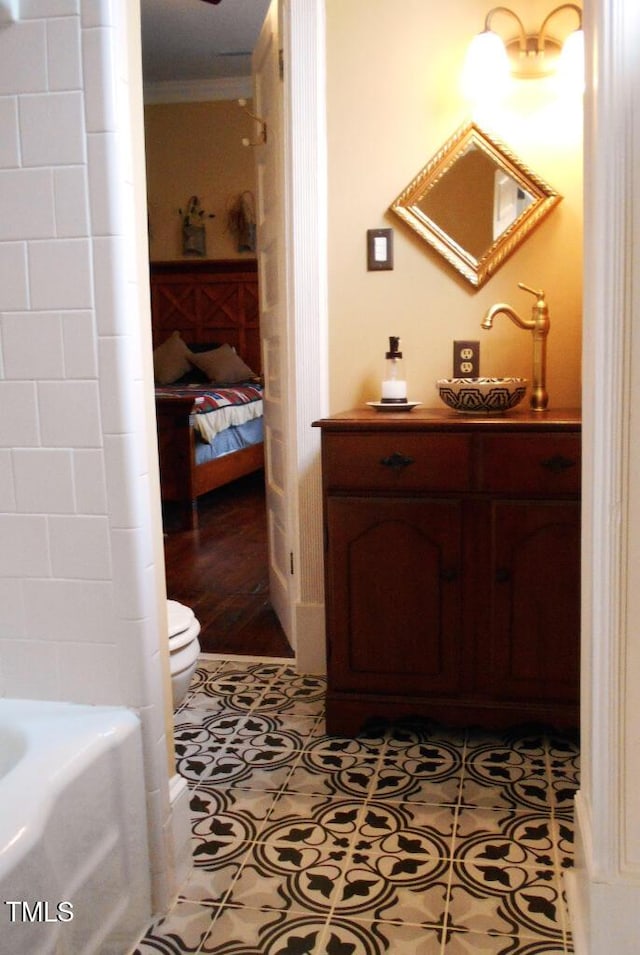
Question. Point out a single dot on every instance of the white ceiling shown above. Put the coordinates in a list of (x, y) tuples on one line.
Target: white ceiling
[(194, 40)]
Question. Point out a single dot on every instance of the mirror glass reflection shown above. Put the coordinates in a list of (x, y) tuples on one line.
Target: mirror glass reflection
[(474, 203)]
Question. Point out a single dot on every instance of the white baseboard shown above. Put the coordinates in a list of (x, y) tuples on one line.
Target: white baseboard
[(311, 639), (179, 798), (603, 914), (246, 658), (578, 918)]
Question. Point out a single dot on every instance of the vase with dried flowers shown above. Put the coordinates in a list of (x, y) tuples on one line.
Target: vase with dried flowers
[(194, 231)]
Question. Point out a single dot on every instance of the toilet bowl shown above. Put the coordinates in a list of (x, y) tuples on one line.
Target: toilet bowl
[(184, 648)]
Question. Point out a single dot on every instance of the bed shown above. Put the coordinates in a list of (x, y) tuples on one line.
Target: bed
[(208, 434)]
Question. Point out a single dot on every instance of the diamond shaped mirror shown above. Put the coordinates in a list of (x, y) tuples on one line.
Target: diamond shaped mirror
[(474, 203)]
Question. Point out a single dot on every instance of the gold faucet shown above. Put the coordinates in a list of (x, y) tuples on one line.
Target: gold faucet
[(538, 324)]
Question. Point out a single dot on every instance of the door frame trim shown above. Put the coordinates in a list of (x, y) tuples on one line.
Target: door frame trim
[(305, 160), (604, 887)]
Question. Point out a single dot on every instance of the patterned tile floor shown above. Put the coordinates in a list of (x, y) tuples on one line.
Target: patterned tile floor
[(409, 840)]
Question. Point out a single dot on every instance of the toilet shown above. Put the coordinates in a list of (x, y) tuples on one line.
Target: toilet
[(184, 648)]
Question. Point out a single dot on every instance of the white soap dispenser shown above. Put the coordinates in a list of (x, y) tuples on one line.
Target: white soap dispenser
[(394, 384)]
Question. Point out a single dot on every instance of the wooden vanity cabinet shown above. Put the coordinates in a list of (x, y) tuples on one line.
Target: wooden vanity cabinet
[(452, 567), (394, 629)]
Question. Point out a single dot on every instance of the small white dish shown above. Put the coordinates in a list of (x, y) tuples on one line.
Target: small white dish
[(394, 405)]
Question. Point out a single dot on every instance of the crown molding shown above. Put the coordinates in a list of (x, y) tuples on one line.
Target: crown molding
[(198, 91)]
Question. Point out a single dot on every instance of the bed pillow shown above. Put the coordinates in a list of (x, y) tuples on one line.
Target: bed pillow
[(203, 346), (171, 360), (194, 376), (222, 364)]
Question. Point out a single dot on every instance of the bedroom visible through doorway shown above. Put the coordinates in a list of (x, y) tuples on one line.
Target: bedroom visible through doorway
[(210, 301)]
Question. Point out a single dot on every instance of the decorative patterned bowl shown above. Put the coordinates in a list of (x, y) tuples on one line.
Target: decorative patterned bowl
[(482, 395)]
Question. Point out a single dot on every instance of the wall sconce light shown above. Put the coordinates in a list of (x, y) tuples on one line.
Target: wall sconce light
[(262, 137), (490, 59)]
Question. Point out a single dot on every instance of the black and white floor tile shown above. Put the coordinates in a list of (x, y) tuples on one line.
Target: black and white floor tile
[(408, 840)]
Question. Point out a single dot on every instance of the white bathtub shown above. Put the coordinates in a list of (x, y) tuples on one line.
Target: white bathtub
[(74, 863)]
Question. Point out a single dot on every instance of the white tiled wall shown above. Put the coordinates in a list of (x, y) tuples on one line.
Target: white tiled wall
[(78, 582)]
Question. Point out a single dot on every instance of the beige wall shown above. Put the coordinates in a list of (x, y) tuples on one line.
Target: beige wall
[(196, 149), (393, 99)]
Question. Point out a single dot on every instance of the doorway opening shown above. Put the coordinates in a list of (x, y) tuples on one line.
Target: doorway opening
[(194, 149)]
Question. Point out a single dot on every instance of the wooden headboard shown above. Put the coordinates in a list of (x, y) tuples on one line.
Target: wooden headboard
[(208, 301)]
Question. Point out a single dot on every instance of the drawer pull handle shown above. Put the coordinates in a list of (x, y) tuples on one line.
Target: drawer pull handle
[(503, 575), (557, 464), (449, 574), (397, 461)]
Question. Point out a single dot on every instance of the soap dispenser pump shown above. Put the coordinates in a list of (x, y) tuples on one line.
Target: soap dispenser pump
[(394, 384)]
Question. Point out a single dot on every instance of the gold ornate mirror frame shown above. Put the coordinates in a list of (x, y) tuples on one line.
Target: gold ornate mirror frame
[(475, 202)]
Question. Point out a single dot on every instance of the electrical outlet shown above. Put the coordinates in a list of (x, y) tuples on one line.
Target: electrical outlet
[(466, 359)]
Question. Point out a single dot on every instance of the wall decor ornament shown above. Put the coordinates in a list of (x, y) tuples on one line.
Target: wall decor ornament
[(241, 221), (194, 232), (475, 202)]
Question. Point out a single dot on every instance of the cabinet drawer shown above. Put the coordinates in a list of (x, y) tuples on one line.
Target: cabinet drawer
[(405, 461), (530, 463)]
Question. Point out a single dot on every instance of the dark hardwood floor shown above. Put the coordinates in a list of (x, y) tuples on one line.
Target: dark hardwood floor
[(220, 571)]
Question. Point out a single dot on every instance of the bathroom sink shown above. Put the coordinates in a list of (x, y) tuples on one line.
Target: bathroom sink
[(482, 395)]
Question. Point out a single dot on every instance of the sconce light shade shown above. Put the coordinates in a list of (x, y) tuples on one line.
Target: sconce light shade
[(570, 70), (486, 70), (527, 55)]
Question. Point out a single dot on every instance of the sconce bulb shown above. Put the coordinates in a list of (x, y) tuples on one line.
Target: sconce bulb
[(486, 71), (570, 71)]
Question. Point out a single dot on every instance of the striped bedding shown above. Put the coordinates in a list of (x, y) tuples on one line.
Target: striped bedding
[(215, 409)]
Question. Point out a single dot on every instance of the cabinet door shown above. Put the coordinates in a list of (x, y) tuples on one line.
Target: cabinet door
[(531, 647), (393, 595)]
